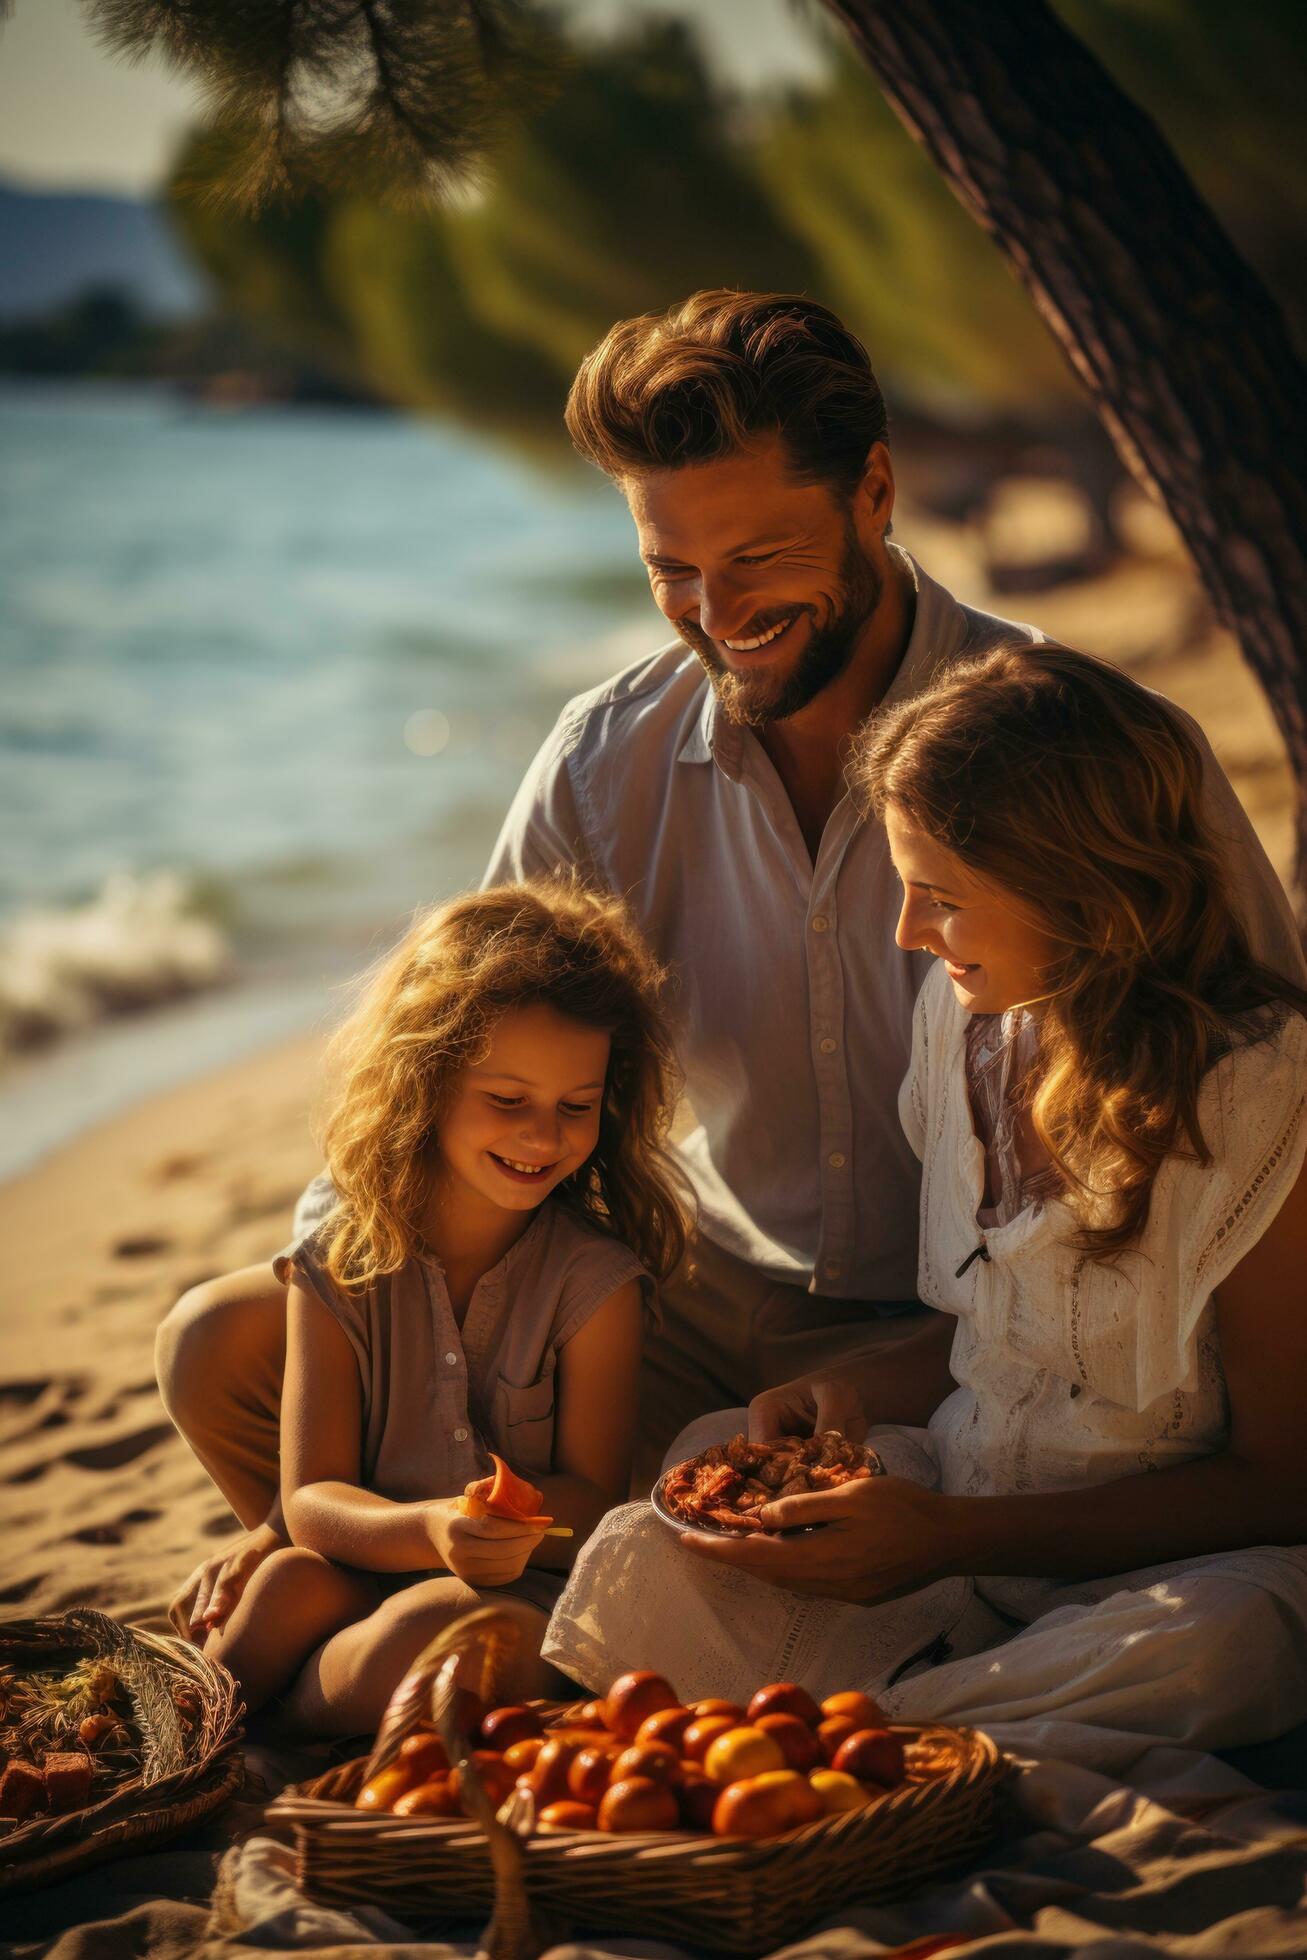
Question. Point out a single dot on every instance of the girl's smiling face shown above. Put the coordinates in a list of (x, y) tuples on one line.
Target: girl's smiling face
[(994, 952), (526, 1115)]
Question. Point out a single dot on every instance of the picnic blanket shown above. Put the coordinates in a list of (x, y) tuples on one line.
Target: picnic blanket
[(1202, 1865)]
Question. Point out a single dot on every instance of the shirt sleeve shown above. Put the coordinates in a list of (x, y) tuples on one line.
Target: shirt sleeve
[(1252, 1110), (596, 1271), (542, 833), (304, 1263)]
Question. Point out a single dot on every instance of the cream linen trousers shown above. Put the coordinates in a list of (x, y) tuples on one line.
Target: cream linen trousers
[(1206, 1653)]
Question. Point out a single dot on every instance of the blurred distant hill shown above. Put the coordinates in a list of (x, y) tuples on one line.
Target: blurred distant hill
[(55, 246)]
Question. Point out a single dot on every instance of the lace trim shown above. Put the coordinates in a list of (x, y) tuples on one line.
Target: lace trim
[(1240, 1207)]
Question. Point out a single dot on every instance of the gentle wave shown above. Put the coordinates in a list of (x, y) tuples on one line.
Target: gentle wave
[(138, 943)]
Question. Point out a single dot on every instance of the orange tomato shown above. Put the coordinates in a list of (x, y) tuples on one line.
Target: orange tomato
[(568, 1816), (423, 1755), (633, 1698), (784, 1698), (638, 1804), (837, 1791), (652, 1759), (548, 1774), (703, 1732), (795, 1739), (589, 1774), (434, 1798), (522, 1755), (862, 1709), (387, 1785), (496, 1777), (502, 1727), (759, 1806), (873, 1756), (742, 1752), (666, 1725), (832, 1732)]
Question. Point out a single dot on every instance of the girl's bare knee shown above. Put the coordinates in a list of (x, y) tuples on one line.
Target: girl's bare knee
[(212, 1335), (427, 1602)]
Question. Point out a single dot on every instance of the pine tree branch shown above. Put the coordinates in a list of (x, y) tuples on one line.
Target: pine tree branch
[(404, 97)]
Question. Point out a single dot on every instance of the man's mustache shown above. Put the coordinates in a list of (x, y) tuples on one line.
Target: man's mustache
[(693, 634)]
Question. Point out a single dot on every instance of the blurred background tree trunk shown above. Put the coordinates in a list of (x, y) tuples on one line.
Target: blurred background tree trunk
[(1180, 345), (1183, 351)]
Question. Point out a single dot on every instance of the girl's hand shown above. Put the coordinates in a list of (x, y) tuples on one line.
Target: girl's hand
[(881, 1537), (210, 1594), (805, 1407), (481, 1551)]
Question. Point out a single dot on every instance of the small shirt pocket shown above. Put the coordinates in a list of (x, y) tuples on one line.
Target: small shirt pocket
[(522, 1415)]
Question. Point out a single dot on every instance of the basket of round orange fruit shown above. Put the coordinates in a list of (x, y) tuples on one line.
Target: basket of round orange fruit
[(728, 1826)]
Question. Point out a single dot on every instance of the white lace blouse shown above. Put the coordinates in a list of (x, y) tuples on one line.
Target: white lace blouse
[(1070, 1372)]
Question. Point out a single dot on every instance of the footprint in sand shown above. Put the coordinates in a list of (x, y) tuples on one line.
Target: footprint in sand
[(123, 1449), (115, 1530), (143, 1246), (47, 1403)]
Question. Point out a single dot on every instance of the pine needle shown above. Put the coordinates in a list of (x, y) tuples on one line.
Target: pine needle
[(400, 98)]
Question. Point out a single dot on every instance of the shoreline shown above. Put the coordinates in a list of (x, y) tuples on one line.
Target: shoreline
[(108, 1507)]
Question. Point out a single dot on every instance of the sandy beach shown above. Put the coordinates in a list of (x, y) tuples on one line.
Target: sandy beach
[(103, 1503)]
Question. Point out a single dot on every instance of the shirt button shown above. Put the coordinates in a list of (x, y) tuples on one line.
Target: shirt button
[(837, 1160), (451, 1360), (827, 1045), (821, 923), (832, 1269), (460, 1435)]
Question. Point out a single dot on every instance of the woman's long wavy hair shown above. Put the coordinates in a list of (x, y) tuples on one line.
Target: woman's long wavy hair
[(1077, 794), (430, 1011)]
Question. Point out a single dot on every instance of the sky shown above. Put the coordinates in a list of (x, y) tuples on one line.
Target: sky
[(74, 118)]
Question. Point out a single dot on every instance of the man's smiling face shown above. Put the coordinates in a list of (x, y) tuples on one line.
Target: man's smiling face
[(769, 580)]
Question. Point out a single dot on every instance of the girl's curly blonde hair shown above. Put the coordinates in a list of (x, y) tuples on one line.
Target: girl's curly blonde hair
[(430, 1011), (1058, 780)]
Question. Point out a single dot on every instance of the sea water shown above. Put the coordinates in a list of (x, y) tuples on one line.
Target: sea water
[(268, 680)]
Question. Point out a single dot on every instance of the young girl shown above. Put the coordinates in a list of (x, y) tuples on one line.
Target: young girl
[(1109, 1098), (501, 1201)]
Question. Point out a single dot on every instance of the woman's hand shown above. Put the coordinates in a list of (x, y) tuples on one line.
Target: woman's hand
[(881, 1537), (806, 1406), (482, 1551), (210, 1594)]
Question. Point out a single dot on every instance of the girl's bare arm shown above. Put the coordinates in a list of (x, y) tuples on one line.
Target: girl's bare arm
[(594, 1429), (321, 1464)]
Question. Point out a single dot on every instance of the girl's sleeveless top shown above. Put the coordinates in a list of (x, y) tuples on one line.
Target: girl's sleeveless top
[(435, 1397)]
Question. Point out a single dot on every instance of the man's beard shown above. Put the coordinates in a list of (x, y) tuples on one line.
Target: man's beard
[(754, 700)]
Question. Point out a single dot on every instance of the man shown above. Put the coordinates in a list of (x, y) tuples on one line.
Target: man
[(706, 785)]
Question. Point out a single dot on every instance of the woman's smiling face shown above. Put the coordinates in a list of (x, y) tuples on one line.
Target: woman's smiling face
[(995, 954)]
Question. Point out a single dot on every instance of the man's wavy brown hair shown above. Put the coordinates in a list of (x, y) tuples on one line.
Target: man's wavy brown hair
[(710, 377), (1061, 783), (430, 1011)]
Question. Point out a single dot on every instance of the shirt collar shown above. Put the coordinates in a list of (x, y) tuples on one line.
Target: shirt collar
[(937, 629), (714, 737)]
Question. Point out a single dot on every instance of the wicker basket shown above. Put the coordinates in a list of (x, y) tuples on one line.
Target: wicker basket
[(728, 1895), (185, 1774)]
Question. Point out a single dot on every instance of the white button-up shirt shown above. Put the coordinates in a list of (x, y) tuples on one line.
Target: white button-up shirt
[(794, 1004)]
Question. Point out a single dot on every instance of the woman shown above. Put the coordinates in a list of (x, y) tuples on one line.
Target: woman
[(1109, 1098)]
